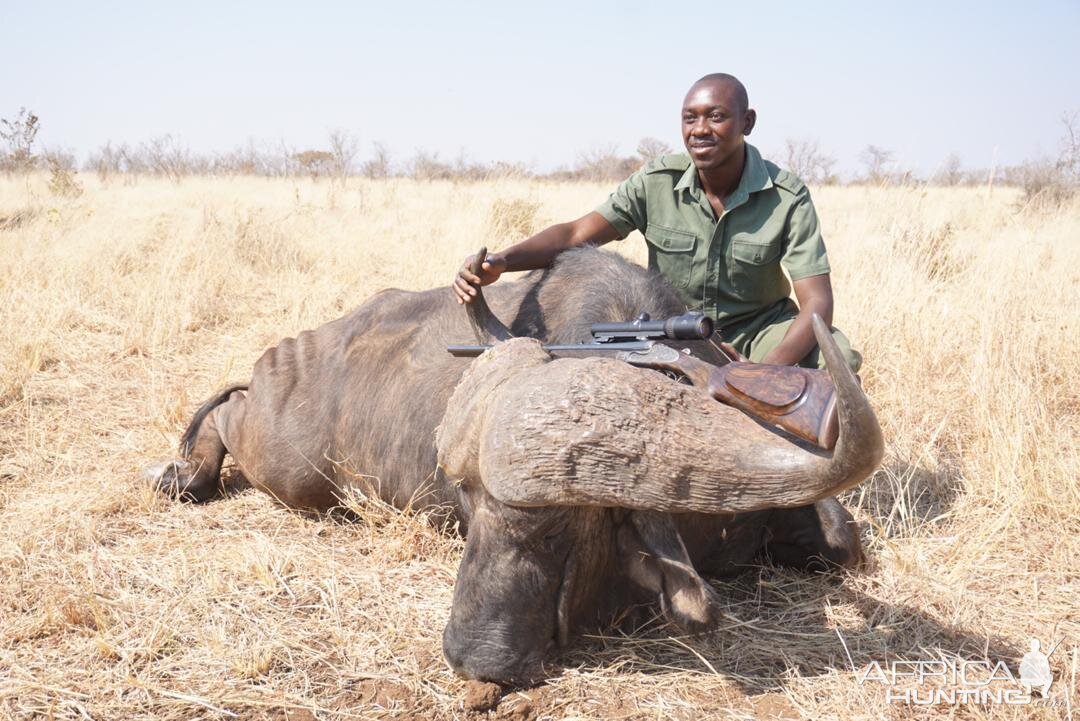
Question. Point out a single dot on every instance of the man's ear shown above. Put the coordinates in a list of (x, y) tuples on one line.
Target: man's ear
[(749, 120)]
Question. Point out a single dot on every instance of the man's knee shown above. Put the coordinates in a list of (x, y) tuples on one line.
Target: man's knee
[(853, 357), (773, 335)]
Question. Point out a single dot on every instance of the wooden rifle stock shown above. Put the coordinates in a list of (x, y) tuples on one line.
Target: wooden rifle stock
[(802, 401)]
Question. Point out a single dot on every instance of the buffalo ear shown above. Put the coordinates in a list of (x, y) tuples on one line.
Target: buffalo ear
[(656, 559)]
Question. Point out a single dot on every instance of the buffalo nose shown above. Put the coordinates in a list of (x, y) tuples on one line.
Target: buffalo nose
[(454, 653), (486, 662)]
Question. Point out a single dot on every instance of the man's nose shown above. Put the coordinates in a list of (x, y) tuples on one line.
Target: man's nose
[(699, 128)]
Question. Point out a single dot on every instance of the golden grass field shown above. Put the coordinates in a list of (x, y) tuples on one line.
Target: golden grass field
[(127, 306)]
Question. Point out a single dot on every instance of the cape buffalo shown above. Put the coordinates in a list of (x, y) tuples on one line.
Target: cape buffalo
[(582, 485)]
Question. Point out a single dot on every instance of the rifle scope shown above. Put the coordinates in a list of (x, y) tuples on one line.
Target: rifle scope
[(688, 326)]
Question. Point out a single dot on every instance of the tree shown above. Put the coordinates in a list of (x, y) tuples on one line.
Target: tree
[(164, 155), (315, 163), (19, 134), (1047, 181), (343, 148), (806, 159), (652, 148), (877, 161), (952, 171), (1069, 159), (426, 165), (378, 166), (108, 161), (603, 163)]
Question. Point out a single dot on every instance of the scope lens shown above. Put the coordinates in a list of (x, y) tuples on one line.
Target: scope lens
[(690, 326)]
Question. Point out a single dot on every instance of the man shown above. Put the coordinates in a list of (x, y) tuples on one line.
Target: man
[(721, 224)]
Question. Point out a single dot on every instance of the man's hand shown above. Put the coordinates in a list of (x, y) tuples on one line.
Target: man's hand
[(732, 353), (465, 282), (532, 253)]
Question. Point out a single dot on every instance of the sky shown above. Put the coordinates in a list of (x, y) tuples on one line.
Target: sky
[(541, 83)]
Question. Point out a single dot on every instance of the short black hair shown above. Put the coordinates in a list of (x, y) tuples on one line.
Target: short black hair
[(740, 89)]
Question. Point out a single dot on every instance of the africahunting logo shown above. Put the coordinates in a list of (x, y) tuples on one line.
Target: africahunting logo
[(956, 681)]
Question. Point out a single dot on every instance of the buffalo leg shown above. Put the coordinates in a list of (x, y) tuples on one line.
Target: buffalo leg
[(196, 475), (817, 537)]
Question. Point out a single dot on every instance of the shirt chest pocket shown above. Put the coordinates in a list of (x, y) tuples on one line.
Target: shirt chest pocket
[(744, 249), (754, 269), (671, 251)]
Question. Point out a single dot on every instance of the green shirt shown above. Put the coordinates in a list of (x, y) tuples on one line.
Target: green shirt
[(729, 268)]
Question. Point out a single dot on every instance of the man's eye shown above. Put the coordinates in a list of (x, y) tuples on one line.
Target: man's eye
[(716, 118)]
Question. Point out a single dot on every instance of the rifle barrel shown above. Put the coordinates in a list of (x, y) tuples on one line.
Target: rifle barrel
[(471, 351)]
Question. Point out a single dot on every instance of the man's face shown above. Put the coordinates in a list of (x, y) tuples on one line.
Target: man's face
[(714, 123)]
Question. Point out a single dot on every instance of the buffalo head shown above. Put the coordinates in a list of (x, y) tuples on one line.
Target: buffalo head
[(575, 471)]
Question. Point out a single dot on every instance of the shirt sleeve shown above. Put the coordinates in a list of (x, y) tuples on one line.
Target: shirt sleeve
[(625, 208), (804, 254)]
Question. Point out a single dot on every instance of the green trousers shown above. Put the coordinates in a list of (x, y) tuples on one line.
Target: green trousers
[(756, 336)]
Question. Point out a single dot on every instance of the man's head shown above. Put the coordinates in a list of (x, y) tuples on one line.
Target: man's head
[(716, 115)]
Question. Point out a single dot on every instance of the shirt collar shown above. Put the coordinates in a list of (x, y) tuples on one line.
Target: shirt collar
[(755, 177)]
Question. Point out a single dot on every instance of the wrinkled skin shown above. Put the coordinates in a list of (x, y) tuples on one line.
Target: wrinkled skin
[(361, 397)]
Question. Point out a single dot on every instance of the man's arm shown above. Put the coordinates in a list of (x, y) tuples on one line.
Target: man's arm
[(814, 294), (535, 252)]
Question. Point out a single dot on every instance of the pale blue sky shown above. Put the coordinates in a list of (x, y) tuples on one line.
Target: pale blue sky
[(540, 82)]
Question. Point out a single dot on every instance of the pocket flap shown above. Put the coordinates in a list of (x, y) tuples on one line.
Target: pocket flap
[(754, 253), (670, 239)]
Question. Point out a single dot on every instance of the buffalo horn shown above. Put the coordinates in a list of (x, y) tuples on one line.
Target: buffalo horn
[(598, 432), (485, 326)]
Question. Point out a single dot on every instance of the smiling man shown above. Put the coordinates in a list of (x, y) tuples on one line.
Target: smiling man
[(722, 227)]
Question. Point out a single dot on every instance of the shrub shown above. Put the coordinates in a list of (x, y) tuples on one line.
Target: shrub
[(62, 180), (1044, 182)]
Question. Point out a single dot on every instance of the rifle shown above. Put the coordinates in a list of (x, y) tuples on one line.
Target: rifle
[(801, 401)]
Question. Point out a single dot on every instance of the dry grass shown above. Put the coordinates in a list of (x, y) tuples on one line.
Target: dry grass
[(125, 306)]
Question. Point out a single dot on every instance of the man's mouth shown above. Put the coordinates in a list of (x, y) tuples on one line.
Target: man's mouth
[(700, 144)]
